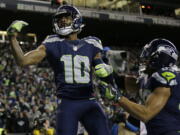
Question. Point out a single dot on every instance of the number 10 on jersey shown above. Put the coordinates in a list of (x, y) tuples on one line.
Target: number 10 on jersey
[(76, 69)]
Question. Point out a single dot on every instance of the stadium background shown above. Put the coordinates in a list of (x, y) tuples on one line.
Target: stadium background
[(113, 32), (120, 24)]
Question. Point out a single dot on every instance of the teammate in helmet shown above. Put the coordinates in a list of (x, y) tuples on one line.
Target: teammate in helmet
[(72, 60), (157, 54), (161, 110)]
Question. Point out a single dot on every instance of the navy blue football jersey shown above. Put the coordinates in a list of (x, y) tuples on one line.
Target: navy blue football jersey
[(72, 61), (168, 119)]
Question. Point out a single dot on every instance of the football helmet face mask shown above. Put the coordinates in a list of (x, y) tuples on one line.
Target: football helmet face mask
[(75, 26), (157, 54)]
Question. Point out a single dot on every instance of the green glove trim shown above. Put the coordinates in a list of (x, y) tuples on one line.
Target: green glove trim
[(103, 70), (16, 26), (110, 92)]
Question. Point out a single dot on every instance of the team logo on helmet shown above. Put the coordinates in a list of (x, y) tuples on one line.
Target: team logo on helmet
[(159, 53)]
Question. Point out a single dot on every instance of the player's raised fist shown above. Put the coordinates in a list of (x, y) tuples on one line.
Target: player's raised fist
[(16, 26)]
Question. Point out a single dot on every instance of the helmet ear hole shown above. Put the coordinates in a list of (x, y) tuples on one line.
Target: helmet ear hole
[(75, 24)]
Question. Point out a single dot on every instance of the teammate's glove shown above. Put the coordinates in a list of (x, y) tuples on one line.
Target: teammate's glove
[(16, 26), (107, 91)]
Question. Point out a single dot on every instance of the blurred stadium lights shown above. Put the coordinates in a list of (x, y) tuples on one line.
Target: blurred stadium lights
[(160, 7), (127, 27), (149, 7), (100, 4), (113, 4), (56, 3), (177, 13), (126, 6), (142, 6), (29, 38)]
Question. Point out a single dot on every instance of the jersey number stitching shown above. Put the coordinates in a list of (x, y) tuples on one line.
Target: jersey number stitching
[(76, 68)]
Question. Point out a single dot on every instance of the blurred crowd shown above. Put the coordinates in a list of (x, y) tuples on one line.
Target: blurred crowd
[(27, 96)]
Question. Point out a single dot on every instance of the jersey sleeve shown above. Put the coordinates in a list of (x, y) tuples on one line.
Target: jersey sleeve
[(49, 41), (164, 78), (96, 43)]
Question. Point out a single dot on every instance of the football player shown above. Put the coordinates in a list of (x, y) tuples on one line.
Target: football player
[(161, 110), (72, 60)]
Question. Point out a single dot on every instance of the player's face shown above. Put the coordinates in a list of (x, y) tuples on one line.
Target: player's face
[(145, 66), (64, 21)]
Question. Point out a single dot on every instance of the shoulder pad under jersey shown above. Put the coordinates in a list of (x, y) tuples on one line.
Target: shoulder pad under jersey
[(52, 38), (166, 76), (94, 41)]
